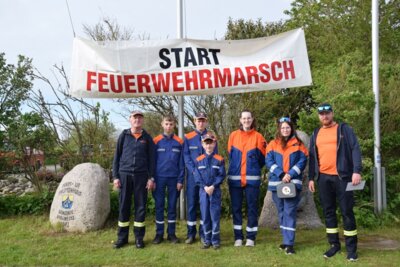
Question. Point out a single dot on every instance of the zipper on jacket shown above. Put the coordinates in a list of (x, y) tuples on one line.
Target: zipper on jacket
[(134, 153), (316, 170), (209, 168), (337, 149)]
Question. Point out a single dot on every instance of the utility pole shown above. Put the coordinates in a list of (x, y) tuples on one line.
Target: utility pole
[(379, 177), (180, 106)]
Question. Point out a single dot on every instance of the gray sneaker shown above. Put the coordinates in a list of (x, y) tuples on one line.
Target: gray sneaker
[(238, 243), (250, 243)]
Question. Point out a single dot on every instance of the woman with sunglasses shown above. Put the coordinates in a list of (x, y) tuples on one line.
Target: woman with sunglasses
[(286, 160)]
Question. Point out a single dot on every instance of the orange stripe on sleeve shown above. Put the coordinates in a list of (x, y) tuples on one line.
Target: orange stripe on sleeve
[(178, 139), (157, 139)]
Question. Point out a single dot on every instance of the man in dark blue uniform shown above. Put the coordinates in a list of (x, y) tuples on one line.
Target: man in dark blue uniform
[(133, 172)]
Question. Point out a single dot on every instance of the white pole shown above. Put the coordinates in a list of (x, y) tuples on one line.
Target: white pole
[(375, 85), (180, 103)]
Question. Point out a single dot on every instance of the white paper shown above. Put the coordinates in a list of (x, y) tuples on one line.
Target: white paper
[(351, 187)]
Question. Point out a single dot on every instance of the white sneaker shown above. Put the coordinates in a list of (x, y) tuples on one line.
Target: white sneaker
[(249, 243), (238, 243)]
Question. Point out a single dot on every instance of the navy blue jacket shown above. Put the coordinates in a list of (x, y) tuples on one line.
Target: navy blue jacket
[(134, 156), (348, 156), (169, 157), (209, 170)]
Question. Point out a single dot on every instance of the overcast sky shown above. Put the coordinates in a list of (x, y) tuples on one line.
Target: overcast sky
[(41, 29)]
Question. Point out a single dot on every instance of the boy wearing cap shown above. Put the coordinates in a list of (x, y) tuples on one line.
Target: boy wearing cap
[(169, 176), (335, 160), (133, 172), (209, 175), (192, 148)]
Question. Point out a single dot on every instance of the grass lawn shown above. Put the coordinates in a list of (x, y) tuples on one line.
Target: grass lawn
[(30, 240)]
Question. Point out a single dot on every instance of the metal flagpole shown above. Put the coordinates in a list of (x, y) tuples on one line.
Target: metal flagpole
[(379, 183), (180, 104)]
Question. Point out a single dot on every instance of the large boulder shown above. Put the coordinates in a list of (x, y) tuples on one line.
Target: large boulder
[(82, 199), (307, 215)]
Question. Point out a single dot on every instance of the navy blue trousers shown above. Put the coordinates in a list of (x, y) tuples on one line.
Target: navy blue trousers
[(166, 184), (136, 185), (210, 207), (287, 215), (252, 194), (192, 196), (332, 190)]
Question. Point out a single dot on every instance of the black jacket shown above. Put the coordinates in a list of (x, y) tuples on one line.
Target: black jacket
[(348, 156), (134, 156)]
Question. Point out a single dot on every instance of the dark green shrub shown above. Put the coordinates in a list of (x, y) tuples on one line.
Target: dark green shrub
[(33, 204)]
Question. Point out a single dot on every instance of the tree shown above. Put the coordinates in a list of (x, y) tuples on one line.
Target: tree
[(107, 29), (339, 44), (74, 122), (28, 133), (15, 84), (98, 140)]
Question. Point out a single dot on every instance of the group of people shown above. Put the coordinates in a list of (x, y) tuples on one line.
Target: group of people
[(142, 163)]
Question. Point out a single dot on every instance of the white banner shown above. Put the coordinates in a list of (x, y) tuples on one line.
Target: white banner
[(123, 69)]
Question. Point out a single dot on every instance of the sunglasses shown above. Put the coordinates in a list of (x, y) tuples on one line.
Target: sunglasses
[(284, 119), (325, 108)]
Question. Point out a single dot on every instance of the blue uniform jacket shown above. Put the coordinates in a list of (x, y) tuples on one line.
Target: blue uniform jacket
[(169, 157), (134, 156), (291, 160), (246, 158), (192, 148), (348, 156), (210, 170)]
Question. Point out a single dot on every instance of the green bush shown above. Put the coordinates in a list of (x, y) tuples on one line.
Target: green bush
[(35, 204), (28, 204)]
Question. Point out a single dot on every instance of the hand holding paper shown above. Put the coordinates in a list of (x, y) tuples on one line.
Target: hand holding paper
[(351, 187)]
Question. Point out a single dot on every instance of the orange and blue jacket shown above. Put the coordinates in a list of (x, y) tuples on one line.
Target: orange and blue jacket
[(210, 170), (169, 157), (246, 158), (192, 148), (292, 160)]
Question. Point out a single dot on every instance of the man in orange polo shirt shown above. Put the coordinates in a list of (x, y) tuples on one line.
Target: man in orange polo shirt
[(335, 160)]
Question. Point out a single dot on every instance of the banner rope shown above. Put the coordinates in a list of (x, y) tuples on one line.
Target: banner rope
[(70, 18)]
